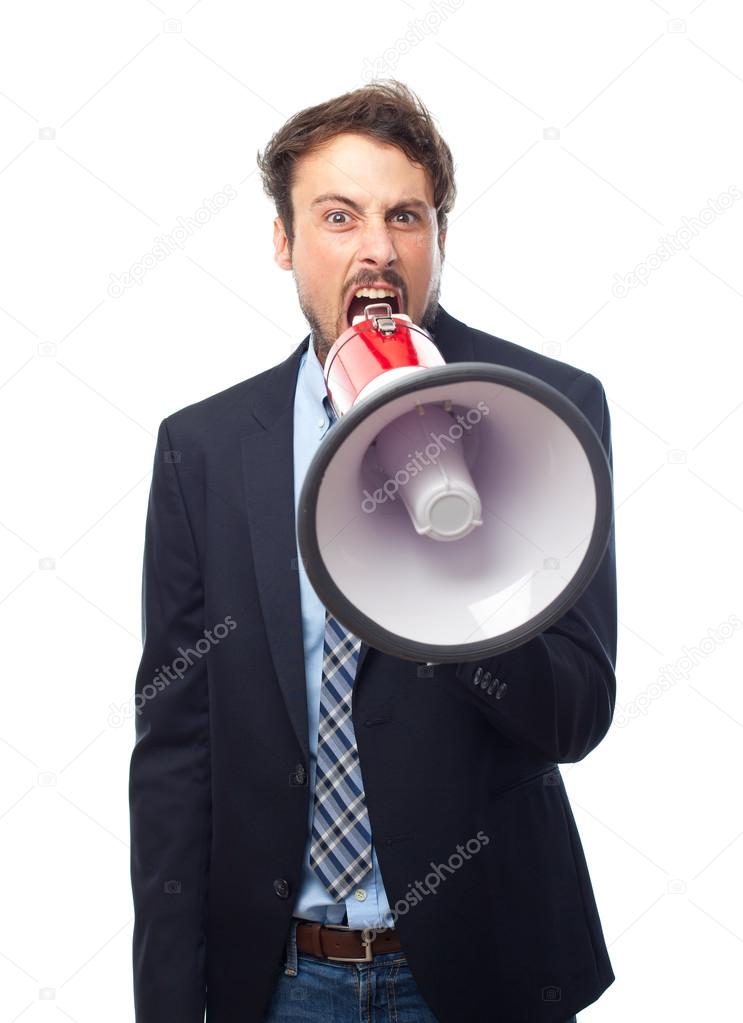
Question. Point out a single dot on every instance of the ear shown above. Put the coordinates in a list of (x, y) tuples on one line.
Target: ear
[(281, 249), (442, 241)]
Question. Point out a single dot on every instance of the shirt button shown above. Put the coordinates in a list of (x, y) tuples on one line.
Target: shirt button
[(360, 894), (321, 422)]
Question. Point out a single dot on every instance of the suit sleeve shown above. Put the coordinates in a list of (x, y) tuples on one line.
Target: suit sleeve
[(169, 778), (556, 693)]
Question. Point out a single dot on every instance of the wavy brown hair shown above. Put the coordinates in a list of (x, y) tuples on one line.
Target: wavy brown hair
[(387, 111)]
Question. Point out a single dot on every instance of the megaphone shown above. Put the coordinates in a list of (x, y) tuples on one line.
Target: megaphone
[(454, 510)]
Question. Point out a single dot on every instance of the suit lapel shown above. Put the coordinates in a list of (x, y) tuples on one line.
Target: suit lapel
[(268, 482)]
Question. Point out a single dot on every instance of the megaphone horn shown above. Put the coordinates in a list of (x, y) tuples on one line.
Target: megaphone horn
[(455, 510)]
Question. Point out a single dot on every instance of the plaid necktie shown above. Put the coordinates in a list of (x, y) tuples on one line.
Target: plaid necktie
[(340, 853)]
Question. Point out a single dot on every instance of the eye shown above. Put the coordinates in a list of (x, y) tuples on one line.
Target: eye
[(340, 213)]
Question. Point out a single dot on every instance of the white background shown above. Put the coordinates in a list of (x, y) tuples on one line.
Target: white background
[(583, 134)]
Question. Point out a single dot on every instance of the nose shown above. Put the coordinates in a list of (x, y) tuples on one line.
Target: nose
[(377, 247)]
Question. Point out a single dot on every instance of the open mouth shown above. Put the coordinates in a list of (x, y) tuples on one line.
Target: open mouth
[(371, 296)]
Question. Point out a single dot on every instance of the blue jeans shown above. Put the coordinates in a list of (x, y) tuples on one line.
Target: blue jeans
[(313, 990)]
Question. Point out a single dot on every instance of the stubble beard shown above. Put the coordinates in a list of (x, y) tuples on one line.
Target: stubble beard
[(324, 342)]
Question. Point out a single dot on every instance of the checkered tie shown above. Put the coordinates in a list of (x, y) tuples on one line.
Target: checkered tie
[(340, 853)]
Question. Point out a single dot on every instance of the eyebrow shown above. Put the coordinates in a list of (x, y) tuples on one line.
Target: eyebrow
[(418, 204)]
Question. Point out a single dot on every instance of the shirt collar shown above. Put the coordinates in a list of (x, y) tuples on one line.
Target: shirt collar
[(313, 378)]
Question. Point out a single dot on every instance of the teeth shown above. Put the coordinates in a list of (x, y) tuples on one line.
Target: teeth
[(374, 293)]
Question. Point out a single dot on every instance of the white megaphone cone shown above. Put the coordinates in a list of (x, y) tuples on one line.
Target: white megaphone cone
[(454, 510)]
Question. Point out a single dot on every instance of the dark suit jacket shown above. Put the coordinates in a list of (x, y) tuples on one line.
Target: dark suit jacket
[(218, 780)]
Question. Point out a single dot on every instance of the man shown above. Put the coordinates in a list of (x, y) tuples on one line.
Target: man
[(413, 856)]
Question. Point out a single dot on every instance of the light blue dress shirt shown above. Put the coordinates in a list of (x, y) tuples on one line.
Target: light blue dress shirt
[(367, 905)]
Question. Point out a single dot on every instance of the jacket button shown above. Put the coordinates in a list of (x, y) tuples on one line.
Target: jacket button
[(501, 690), (298, 775), (493, 685), (281, 887), (477, 676), (486, 679)]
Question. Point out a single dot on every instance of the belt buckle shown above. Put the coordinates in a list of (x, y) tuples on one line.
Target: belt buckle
[(366, 940)]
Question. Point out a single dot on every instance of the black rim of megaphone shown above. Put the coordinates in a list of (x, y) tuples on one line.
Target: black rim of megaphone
[(454, 373)]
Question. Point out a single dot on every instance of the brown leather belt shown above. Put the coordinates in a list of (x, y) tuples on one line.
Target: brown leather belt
[(343, 944)]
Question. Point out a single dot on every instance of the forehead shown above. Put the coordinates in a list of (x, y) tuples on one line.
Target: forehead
[(373, 173)]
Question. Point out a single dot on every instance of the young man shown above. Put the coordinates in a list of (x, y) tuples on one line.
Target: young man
[(319, 830)]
